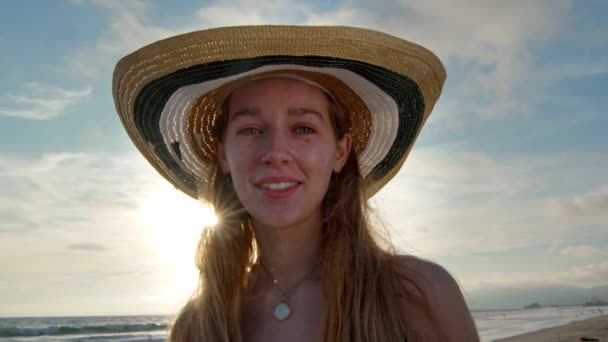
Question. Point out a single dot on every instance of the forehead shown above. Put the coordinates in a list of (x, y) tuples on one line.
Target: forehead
[(278, 91)]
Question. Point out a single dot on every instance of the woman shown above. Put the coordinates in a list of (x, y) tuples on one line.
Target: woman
[(287, 131)]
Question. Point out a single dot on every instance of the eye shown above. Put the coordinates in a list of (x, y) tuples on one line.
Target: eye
[(304, 130), (249, 131)]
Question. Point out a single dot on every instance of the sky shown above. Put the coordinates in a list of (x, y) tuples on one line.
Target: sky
[(506, 187)]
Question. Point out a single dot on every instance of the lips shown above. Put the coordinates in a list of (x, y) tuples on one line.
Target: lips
[(278, 187)]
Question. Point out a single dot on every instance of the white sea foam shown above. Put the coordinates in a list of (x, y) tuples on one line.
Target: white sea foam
[(495, 324), (63, 329)]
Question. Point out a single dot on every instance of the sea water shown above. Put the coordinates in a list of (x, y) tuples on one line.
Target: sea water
[(102, 328), (492, 324)]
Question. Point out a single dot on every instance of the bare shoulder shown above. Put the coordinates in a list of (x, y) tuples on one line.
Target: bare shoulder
[(429, 278), (439, 293)]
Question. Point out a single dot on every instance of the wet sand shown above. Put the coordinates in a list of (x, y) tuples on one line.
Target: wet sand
[(594, 329)]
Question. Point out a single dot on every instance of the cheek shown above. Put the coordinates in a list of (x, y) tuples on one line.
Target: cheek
[(237, 155), (319, 159), (240, 167)]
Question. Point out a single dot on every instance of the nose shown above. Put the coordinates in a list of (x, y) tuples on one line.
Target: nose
[(275, 150)]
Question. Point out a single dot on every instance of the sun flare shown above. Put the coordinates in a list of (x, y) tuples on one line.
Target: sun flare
[(173, 225), (175, 219)]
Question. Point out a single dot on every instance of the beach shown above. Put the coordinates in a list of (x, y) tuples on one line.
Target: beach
[(594, 329), (567, 323)]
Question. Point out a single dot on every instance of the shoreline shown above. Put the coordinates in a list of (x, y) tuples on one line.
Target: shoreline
[(594, 327)]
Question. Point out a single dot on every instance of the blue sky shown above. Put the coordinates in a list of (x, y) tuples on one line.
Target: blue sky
[(506, 187)]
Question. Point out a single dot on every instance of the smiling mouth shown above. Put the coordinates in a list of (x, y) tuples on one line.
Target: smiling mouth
[(279, 186)]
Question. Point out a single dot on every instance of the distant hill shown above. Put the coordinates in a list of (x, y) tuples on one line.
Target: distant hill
[(519, 297), (596, 302), (534, 305)]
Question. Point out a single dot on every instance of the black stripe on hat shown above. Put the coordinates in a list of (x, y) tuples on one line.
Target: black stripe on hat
[(152, 98)]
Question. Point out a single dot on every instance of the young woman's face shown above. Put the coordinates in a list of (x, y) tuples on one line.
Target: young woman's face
[(280, 150)]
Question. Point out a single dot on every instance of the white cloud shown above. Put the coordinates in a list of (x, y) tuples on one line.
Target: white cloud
[(39, 101), (473, 203), (61, 191), (594, 203), (580, 276), (87, 246), (128, 29), (489, 50), (555, 245), (583, 251), (251, 12), (83, 223)]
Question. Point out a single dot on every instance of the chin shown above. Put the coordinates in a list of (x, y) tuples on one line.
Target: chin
[(277, 219), (285, 216), (275, 222)]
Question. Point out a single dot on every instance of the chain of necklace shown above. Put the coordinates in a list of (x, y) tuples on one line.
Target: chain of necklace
[(283, 310)]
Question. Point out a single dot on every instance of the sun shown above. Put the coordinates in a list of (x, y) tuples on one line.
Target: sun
[(172, 224), (174, 219)]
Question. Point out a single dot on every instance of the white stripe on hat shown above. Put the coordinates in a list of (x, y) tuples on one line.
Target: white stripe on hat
[(173, 124)]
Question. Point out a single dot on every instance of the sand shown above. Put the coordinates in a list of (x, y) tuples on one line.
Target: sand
[(592, 328)]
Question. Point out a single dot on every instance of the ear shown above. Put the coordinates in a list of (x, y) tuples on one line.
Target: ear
[(220, 152), (343, 147)]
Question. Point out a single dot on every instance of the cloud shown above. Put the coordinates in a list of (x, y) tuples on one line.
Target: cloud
[(489, 51), (594, 203), (477, 203), (594, 274), (582, 251), (555, 245), (61, 203), (39, 101), (249, 12), (86, 246), (63, 190), (128, 29), (580, 276), (131, 25)]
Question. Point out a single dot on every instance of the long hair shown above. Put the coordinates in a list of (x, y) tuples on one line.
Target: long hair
[(359, 279)]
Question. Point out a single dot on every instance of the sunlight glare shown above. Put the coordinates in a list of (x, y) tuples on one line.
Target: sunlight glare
[(177, 220), (173, 225)]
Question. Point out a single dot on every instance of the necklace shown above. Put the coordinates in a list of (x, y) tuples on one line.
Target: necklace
[(283, 310)]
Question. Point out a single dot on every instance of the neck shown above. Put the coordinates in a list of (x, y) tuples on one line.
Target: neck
[(289, 253)]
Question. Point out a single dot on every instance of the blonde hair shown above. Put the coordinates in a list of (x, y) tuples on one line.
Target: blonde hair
[(360, 282)]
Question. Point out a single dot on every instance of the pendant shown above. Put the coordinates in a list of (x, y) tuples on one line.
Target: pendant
[(281, 311)]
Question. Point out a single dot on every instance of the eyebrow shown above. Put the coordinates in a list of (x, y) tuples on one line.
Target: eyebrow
[(251, 111), (291, 111), (304, 111)]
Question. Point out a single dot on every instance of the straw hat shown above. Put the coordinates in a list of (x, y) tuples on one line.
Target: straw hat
[(168, 94)]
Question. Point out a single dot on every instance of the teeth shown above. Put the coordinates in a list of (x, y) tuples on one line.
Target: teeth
[(279, 186)]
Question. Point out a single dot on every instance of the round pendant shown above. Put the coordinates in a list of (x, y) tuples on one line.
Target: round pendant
[(281, 311)]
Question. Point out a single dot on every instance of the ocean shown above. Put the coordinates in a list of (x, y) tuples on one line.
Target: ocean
[(492, 324), (86, 328)]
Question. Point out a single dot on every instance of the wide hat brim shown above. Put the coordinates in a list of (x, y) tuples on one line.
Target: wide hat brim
[(168, 94)]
